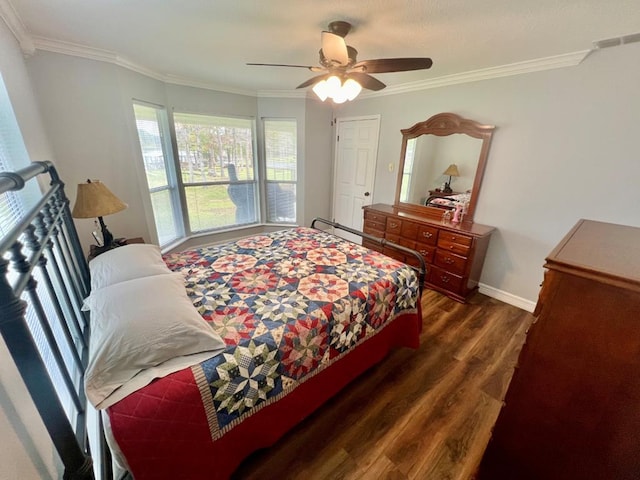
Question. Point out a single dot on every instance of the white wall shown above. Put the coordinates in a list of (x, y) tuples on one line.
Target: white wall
[(566, 147), (27, 451)]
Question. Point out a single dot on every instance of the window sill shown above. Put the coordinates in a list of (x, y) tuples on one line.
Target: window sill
[(201, 239)]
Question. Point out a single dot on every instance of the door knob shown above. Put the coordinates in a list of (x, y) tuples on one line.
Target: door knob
[(366, 194)]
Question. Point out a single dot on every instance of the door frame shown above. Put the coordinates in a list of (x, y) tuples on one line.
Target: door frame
[(338, 121)]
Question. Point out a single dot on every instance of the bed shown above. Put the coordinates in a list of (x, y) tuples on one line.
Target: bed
[(290, 318), (448, 202)]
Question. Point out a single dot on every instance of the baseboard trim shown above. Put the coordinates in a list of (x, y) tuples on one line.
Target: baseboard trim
[(507, 297)]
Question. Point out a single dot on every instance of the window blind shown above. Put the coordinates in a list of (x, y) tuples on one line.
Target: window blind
[(13, 206), (281, 162)]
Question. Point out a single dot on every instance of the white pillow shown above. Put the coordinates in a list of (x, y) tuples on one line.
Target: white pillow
[(140, 330), (126, 263)]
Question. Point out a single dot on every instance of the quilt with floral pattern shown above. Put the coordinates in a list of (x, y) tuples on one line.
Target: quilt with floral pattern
[(288, 304)]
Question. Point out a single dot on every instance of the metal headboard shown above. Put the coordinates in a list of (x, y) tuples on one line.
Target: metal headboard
[(45, 245)]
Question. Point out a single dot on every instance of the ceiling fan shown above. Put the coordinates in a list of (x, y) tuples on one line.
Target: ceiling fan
[(343, 75)]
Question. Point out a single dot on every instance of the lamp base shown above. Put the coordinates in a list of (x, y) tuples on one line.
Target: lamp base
[(447, 188), (107, 237)]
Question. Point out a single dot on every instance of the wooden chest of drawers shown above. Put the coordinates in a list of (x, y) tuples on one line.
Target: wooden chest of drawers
[(572, 410), (454, 254)]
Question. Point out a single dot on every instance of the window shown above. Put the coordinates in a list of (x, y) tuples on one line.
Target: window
[(14, 206), (409, 157), (153, 133), (217, 166), (216, 175), (13, 156), (281, 167)]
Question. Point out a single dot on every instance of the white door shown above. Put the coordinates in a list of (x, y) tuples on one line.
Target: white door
[(354, 167)]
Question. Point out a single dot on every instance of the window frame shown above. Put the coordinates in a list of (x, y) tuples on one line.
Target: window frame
[(174, 187), (174, 173), (266, 181)]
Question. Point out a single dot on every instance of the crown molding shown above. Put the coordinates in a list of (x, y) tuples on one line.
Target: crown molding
[(17, 28), (187, 82), (31, 43), (528, 66), (282, 93), (82, 51)]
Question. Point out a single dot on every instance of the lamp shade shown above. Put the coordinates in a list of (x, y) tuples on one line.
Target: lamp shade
[(94, 199), (452, 170)]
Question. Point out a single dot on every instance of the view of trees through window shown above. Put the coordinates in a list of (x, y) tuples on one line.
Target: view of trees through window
[(217, 165)]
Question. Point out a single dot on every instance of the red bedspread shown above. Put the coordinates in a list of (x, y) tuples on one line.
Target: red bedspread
[(302, 312)]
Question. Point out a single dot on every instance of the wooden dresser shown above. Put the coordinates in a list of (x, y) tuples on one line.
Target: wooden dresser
[(572, 409), (454, 254)]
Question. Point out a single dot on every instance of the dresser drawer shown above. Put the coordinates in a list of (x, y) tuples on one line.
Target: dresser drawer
[(409, 229), (392, 238), (450, 261), (375, 217), (394, 225), (371, 245), (427, 234), (451, 237), (427, 251), (373, 227), (405, 242), (453, 242), (446, 280)]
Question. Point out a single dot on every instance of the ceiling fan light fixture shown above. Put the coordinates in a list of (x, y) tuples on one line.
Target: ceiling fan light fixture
[(351, 88), (333, 84), (334, 89), (339, 96), (321, 89)]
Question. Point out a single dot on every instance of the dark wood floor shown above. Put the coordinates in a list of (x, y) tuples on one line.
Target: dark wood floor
[(424, 414)]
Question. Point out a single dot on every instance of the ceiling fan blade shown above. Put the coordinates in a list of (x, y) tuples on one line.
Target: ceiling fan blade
[(313, 80), (367, 81), (313, 69), (385, 65), (334, 48)]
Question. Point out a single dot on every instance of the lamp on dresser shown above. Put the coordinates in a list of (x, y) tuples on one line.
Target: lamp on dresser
[(95, 200)]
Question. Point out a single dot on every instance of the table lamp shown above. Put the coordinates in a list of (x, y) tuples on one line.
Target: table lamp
[(94, 199), (452, 171)]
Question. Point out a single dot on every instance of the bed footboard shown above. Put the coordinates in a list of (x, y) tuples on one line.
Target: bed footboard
[(422, 269)]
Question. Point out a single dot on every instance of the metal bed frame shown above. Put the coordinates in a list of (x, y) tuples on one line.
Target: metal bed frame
[(45, 243), (422, 269)]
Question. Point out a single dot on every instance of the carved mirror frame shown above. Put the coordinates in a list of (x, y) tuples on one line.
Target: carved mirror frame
[(442, 125)]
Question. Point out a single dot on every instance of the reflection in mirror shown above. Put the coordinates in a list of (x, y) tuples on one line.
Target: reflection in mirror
[(427, 158), (444, 156)]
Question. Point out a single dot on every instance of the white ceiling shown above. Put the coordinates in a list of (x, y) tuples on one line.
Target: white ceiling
[(208, 42)]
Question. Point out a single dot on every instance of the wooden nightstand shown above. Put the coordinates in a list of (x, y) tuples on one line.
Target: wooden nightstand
[(95, 250), (440, 193)]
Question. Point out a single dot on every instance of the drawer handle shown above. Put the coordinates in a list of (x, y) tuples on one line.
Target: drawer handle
[(424, 253), (453, 237), (427, 234), (450, 247), (449, 260), (393, 225), (444, 279)]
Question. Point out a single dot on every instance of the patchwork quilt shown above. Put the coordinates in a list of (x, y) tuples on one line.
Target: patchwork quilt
[(288, 304)]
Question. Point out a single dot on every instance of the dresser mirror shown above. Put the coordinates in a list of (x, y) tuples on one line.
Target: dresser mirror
[(445, 143)]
